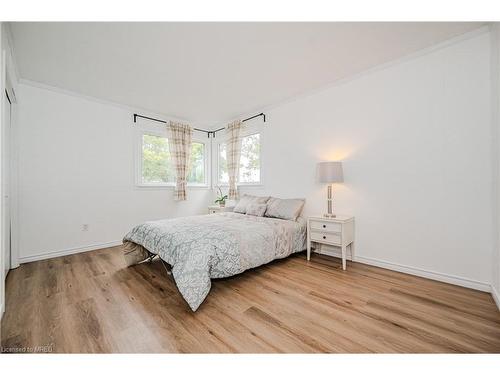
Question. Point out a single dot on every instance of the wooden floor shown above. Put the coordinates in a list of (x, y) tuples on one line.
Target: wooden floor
[(91, 302)]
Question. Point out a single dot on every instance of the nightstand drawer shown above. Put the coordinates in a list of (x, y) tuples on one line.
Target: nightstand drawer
[(325, 226), (325, 237)]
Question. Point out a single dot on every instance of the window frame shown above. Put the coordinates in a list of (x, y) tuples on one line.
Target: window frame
[(163, 133), (248, 131)]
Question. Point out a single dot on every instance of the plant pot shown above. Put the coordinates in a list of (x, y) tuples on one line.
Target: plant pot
[(222, 204)]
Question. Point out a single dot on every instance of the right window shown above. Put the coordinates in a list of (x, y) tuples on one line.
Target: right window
[(249, 161)]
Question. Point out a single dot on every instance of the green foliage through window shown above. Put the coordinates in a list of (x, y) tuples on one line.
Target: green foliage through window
[(196, 173), (156, 161), (157, 165), (249, 160)]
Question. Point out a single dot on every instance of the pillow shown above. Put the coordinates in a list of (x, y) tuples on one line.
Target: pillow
[(288, 209), (256, 209), (241, 206)]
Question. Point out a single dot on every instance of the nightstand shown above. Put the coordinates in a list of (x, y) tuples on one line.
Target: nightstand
[(337, 231), (216, 209)]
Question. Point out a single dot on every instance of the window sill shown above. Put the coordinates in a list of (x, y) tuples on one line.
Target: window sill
[(251, 185), (168, 187), (256, 185)]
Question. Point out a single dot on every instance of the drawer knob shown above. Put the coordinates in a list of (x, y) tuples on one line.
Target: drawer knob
[(324, 226), (324, 237)]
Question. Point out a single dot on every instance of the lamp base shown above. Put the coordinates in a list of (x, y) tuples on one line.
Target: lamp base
[(331, 216), (329, 203)]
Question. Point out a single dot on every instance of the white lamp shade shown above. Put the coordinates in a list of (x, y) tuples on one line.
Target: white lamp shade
[(330, 172)]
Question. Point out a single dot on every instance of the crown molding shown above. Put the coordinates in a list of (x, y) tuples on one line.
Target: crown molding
[(132, 109), (10, 40)]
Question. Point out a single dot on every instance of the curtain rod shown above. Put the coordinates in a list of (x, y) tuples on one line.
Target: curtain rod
[(209, 132)]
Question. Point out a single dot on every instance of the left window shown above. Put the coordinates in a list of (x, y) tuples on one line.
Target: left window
[(156, 165)]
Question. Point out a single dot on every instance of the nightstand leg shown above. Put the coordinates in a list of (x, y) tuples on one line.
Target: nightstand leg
[(352, 251), (343, 257), (308, 248)]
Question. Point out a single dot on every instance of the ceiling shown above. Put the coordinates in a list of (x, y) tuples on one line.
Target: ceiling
[(211, 71)]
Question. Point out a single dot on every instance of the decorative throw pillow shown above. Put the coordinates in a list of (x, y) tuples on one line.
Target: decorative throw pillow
[(256, 209), (241, 206), (288, 209), (246, 199)]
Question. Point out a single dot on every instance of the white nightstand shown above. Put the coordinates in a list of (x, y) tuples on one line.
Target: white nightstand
[(338, 231), (216, 209)]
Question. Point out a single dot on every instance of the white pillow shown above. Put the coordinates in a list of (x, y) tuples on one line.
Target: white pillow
[(241, 206), (288, 209), (256, 209)]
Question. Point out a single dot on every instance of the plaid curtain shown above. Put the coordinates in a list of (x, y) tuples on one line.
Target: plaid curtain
[(233, 156), (179, 143)]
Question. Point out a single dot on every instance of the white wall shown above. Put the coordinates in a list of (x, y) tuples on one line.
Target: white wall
[(495, 101), (76, 163), (415, 141)]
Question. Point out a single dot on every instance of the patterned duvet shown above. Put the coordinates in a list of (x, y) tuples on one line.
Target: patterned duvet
[(200, 248)]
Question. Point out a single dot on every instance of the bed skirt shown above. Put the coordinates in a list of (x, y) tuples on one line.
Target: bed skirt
[(134, 253)]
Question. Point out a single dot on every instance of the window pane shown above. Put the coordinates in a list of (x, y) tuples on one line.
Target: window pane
[(250, 159), (156, 162), (223, 176), (197, 164)]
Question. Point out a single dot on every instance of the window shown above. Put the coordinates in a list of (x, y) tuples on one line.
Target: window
[(156, 165), (156, 162), (196, 174), (249, 161)]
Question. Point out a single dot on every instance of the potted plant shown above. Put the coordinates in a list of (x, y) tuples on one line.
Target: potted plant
[(221, 199)]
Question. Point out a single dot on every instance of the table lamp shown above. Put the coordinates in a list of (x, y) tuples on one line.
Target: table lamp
[(330, 172)]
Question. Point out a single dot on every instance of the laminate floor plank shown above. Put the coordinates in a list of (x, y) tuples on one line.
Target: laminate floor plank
[(92, 303)]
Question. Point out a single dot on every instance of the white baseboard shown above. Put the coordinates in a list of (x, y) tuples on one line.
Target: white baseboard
[(450, 279), (74, 250), (496, 296)]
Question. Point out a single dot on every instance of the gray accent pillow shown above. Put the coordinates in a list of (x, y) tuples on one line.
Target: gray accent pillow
[(288, 209), (246, 199), (256, 209)]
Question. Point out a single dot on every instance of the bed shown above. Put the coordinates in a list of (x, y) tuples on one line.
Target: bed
[(205, 247)]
